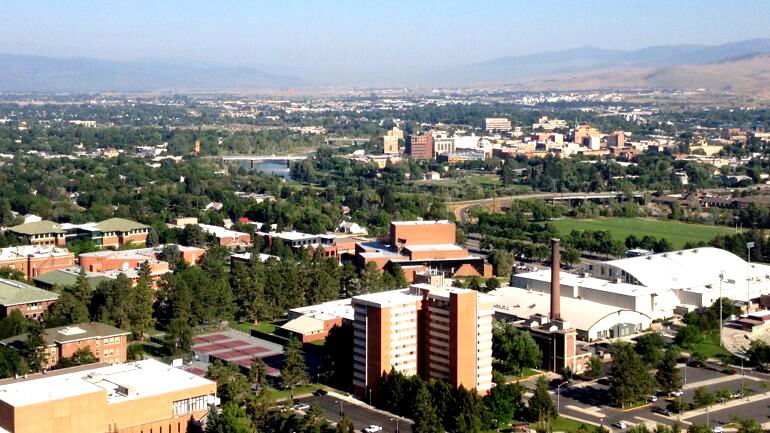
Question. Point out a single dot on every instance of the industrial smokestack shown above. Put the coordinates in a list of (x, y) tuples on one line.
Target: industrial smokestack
[(555, 279)]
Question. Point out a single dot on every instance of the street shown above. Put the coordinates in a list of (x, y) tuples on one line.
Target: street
[(361, 415)]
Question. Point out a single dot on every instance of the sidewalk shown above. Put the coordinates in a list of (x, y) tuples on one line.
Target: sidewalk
[(726, 405), (357, 402)]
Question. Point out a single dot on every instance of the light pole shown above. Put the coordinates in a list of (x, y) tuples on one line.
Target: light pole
[(396, 420), (341, 412), (721, 277), (558, 397), (749, 246)]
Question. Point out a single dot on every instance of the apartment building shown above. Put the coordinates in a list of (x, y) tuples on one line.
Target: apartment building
[(421, 147), (140, 397), (390, 144), (436, 332), (34, 260), (107, 343), (497, 124)]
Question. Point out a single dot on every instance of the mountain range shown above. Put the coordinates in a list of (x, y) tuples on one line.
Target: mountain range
[(737, 67)]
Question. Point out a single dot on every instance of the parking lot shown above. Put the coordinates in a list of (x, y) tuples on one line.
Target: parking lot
[(361, 416), (589, 402)]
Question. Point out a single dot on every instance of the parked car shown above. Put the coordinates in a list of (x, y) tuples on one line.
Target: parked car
[(717, 429), (301, 406), (662, 410), (320, 392), (653, 398), (620, 424), (373, 429), (677, 393)]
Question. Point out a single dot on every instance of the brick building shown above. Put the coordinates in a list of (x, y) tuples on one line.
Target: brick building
[(417, 246), (107, 343), (421, 147), (435, 332), (34, 260), (140, 397), (110, 233), (29, 300)]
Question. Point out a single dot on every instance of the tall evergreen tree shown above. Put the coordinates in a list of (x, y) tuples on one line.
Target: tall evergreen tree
[(668, 376), (541, 407), (142, 298), (425, 418), (294, 371), (630, 379), (34, 347)]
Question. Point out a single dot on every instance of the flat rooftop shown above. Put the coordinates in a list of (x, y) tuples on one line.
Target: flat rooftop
[(567, 279), (388, 299), (148, 378), (420, 223), (434, 247), (33, 251)]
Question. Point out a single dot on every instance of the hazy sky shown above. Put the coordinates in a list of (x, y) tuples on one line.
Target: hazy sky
[(368, 35)]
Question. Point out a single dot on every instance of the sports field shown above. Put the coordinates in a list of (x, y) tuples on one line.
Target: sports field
[(678, 233)]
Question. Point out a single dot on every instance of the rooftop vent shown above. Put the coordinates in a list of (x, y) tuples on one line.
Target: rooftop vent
[(72, 330)]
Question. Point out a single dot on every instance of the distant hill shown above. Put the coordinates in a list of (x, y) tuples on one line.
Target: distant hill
[(744, 75), (35, 73), (592, 59)]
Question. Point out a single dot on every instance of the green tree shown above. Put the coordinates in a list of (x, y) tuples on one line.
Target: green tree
[(650, 347), (337, 357), (294, 371), (346, 426), (514, 349), (426, 419), (630, 379), (504, 402), (178, 337), (141, 299), (467, 415), (502, 262), (749, 426), (541, 408), (595, 367), (11, 363), (34, 347), (232, 419), (81, 356), (14, 324), (232, 385), (668, 376), (258, 373), (703, 397)]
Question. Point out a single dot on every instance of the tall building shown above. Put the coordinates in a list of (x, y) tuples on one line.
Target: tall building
[(144, 396), (584, 133), (443, 144), (107, 343), (497, 124), (390, 144), (436, 332), (421, 147)]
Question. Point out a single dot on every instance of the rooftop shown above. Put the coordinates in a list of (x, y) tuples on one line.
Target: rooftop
[(15, 292), (220, 232), (420, 222), (434, 247), (37, 228), (64, 334), (119, 225), (69, 277), (389, 298), (24, 251), (327, 310), (145, 379)]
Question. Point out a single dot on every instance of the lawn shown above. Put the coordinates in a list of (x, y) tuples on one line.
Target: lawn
[(278, 394), (562, 424), (247, 327), (678, 233), (710, 347)]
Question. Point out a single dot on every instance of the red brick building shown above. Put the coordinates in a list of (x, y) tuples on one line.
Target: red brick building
[(31, 301), (107, 343), (34, 260), (421, 147)]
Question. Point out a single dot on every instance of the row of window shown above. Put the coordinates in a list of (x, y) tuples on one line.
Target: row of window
[(181, 407)]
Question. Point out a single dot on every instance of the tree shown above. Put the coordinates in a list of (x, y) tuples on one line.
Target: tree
[(503, 402), (541, 407), (82, 356), (650, 347), (13, 324), (758, 352), (179, 335), (141, 299), (232, 419), (749, 426), (258, 373), (337, 357), (703, 397), (630, 380), (467, 414), (232, 385), (425, 418), (294, 371), (668, 376), (595, 367), (346, 426), (514, 349), (194, 236), (12, 274), (11, 363), (34, 347), (502, 262), (491, 284)]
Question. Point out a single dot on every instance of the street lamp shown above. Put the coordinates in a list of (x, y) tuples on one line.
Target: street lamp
[(749, 246), (396, 420), (558, 397), (341, 412), (721, 278)]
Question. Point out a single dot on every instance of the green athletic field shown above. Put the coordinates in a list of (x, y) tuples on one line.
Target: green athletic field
[(678, 233)]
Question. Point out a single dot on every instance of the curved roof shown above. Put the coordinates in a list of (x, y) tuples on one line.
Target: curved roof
[(684, 268)]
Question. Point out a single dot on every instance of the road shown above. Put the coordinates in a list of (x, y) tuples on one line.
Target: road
[(361, 415)]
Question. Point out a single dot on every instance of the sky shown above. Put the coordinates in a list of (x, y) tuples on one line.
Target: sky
[(318, 36)]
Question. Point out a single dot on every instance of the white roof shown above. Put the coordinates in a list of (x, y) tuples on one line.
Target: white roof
[(304, 325), (568, 279), (419, 222), (582, 314), (435, 247), (11, 253), (220, 232), (687, 268), (147, 378), (389, 298), (328, 310)]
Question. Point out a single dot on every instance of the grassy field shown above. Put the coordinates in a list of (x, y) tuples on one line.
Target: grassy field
[(710, 346), (562, 424), (678, 233)]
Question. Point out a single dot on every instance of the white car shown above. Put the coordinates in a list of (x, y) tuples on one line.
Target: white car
[(653, 398), (302, 406), (620, 424), (718, 429), (373, 429), (677, 393)]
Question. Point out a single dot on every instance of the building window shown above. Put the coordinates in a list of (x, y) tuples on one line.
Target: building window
[(190, 405)]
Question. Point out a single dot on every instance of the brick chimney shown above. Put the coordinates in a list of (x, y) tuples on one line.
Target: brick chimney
[(555, 279)]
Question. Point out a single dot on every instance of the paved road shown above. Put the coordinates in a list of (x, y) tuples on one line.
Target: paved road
[(361, 416)]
